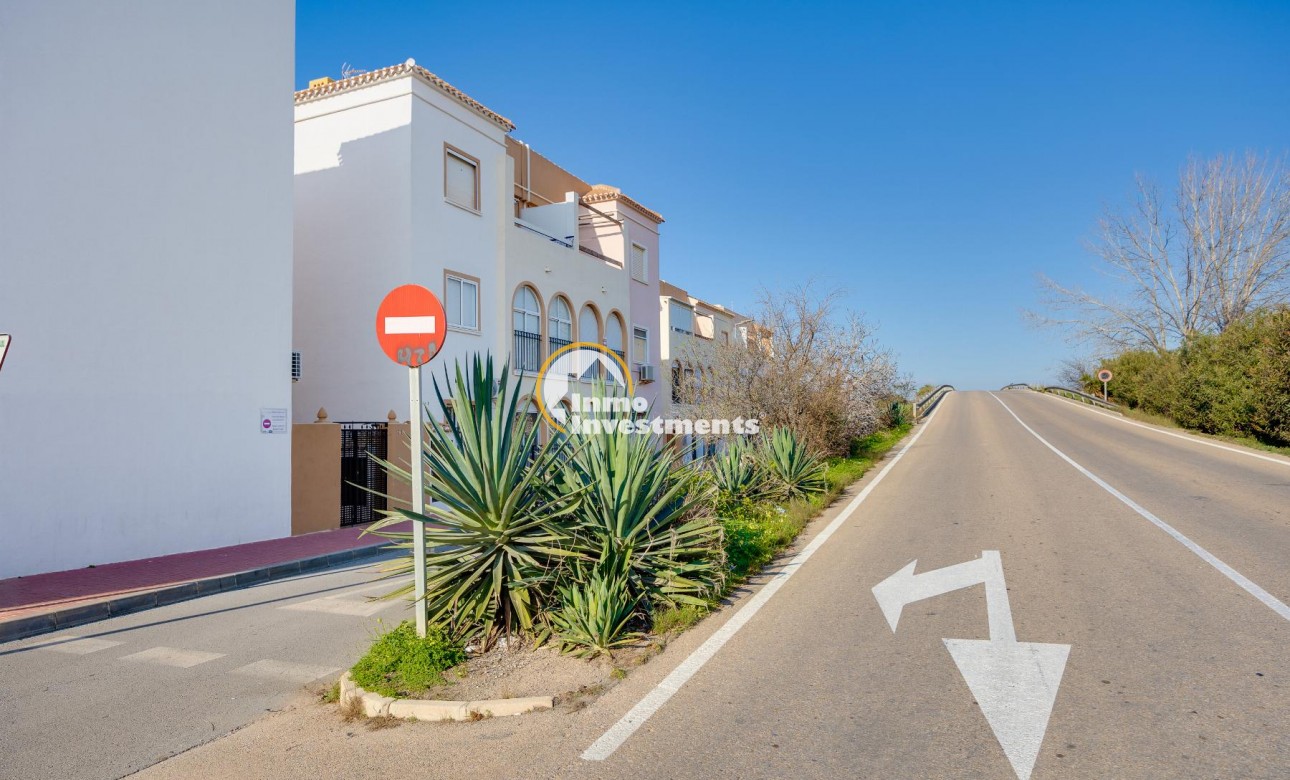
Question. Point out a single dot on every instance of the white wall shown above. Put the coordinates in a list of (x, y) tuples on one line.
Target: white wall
[(145, 274)]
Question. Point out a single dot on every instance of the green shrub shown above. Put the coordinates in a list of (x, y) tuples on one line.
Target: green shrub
[(400, 663), (792, 472), (1271, 420), (640, 507), (497, 526), (754, 532), (736, 470), (595, 612)]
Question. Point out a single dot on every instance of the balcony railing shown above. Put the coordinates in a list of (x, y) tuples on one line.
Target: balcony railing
[(557, 344), (527, 351)]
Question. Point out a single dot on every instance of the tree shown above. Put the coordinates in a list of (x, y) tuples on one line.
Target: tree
[(1218, 253), (806, 365)]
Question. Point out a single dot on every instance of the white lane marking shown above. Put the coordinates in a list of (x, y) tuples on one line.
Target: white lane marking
[(1183, 436), (409, 325), (282, 670), (621, 731), (173, 656), (74, 645), (336, 605), (345, 603), (1275, 604)]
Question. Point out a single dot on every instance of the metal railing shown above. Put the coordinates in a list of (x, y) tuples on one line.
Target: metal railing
[(555, 344), (1017, 386), (929, 401), (527, 351), (1076, 395)]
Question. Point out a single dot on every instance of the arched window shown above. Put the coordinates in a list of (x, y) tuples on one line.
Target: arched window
[(526, 314), (589, 325), (589, 330), (560, 324), (614, 335)]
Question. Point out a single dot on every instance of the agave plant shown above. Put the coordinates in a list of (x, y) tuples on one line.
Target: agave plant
[(736, 471), (792, 471), (497, 528), (595, 611), (641, 507)]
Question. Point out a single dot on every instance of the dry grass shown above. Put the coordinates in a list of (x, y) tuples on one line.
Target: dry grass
[(351, 709)]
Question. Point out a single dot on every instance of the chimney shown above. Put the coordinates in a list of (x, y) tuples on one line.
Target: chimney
[(322, 82)]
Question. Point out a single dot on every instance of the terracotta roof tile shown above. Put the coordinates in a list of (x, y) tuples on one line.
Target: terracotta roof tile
[(603, 192), (398, 71)]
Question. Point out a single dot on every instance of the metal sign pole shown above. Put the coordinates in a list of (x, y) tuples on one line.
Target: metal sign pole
[(1103, 391), (418, 497)]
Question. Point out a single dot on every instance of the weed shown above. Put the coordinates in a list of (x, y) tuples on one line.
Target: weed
[(618, 674), (400, 662), (677, 619), (332, 694), (351, 709), (382, 722), (477, 715)]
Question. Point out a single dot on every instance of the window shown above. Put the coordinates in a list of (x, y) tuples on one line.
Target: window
[(682, 318), (460, 178), (526, 319), (640, 345), (589, 325), (725, 337), (561, 325), (640, 263), (461, 302), (676, 383), (589, 330), (614, 335)]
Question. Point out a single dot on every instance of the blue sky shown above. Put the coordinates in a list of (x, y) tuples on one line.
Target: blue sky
[(928, 157)]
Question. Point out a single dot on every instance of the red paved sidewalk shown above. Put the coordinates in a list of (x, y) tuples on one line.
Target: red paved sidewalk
[(37, 593)]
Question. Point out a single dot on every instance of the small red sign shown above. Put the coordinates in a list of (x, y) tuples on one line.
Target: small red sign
[(1105, 375), (410, 325)]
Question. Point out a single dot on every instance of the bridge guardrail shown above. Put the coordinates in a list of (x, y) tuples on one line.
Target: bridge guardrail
[(1076, 395), (929, 401)]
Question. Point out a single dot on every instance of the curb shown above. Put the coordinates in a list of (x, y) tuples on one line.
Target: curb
[(376, 706), (59, 619)]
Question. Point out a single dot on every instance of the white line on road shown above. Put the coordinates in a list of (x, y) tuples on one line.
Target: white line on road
[(173, 656), (621, 731), (1275, 604), (1183, 436), (281, 670)]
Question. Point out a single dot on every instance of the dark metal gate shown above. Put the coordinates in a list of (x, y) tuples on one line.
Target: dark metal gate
[(362, 481)]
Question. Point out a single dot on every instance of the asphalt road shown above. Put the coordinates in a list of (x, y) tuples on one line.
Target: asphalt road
[(1146, 582), (109, 698)]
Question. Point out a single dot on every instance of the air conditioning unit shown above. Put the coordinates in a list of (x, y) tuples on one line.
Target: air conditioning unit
[(295, 366), (646, 372)]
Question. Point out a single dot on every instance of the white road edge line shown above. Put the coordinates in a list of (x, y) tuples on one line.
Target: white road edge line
[(621, 731), (1183, 436), (1275, 604)]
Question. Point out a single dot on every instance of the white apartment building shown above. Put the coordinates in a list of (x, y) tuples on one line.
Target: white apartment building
[(145, 278), (402, 178), (692, 328)]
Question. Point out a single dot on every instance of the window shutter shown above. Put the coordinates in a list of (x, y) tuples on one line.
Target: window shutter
[(460, 181), (639, 264)]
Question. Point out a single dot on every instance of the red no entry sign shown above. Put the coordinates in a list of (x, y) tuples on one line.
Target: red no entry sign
[(410, 325), (1104, 375)]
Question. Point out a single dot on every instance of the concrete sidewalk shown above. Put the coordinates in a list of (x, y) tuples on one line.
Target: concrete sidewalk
[(39, 603)]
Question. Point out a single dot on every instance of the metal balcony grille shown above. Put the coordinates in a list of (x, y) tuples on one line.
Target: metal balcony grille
[(359, 474), (527, 351)]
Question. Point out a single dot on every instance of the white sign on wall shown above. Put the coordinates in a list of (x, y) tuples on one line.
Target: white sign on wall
[(273, 420)]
